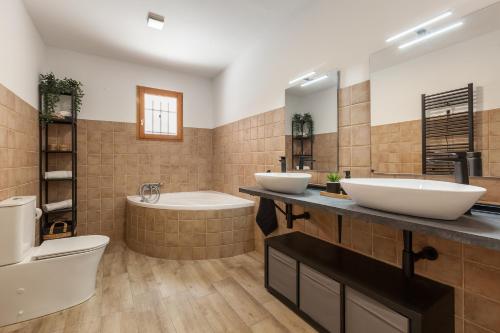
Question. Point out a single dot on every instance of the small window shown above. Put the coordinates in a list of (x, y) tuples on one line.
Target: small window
[(159, 114)]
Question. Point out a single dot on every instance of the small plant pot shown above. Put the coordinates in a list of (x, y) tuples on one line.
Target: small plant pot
[(333, 187)]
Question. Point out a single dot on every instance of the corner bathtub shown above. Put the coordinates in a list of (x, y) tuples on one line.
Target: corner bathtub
[(190, 225)]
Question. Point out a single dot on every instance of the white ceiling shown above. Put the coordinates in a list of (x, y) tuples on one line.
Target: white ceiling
[(199, 36)]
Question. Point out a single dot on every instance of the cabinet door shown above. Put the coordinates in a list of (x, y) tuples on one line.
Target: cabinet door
[(282, 274), (363, 314), (320, 298)]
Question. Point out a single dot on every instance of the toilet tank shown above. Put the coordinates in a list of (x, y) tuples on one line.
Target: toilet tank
[(17, 228)]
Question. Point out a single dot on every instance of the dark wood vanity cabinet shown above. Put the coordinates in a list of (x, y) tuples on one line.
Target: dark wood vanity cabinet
[(337, 290)]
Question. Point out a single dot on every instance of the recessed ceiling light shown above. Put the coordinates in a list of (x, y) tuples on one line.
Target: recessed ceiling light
[(155, 21), (430, 35), (418, 27), (321, 78), (303, 77)]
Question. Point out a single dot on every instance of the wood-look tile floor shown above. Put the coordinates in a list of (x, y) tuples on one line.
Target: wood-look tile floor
[(136, 293)]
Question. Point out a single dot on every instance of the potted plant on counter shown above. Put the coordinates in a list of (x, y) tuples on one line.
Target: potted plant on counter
[(333, 183)]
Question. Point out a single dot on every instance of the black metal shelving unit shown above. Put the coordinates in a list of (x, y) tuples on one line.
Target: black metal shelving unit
[(302, 142), (302, 145), (44, 155), (447, 127)]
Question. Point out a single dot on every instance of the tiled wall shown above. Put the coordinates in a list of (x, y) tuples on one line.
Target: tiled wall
[(324, 151), (18, 146), (185, 234), (396, 148), (112, 164), (354, 129), (244, 147)]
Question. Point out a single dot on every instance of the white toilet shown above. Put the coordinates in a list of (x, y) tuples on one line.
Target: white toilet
[(36, 281)]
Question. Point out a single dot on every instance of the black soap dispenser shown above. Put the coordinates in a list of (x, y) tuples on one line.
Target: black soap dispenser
[(347, 175)]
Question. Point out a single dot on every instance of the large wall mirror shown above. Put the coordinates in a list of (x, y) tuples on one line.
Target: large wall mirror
[(311, 123), (436, 91)]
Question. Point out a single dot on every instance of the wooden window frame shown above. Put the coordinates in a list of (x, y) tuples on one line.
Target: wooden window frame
[(141, 91)]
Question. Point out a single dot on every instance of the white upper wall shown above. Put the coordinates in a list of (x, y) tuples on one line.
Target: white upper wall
[(396, 91), (330, 34), (110, 87), (23, 52)]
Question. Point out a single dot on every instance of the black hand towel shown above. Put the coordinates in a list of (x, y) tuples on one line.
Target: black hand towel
[(266, 216)]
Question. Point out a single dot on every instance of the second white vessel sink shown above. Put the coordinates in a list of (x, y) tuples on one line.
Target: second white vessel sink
[(285, 182), (417, 197)]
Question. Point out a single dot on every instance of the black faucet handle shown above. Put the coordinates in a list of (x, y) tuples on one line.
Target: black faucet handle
[(461, 167), (460, 154)]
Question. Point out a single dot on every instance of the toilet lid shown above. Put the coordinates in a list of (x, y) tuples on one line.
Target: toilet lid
[(66, 246)]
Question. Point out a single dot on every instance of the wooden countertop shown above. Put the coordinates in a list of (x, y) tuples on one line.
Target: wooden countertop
[(480, 229)]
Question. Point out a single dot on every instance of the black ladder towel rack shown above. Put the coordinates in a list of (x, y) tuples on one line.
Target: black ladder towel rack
[(447, 127)]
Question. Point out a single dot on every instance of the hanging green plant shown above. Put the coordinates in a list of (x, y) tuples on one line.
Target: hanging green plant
[(51, 89), (297, 124), (308, 126)]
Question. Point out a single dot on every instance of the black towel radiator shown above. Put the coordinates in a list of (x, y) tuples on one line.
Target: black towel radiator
[(447, 127)]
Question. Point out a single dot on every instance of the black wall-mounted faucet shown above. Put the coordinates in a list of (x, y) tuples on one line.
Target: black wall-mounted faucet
[(283, 163), (459, 160)]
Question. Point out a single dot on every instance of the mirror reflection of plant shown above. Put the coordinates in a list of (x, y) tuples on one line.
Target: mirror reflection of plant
[(51, 88), (297, 124), (302, 124), (309, 124)]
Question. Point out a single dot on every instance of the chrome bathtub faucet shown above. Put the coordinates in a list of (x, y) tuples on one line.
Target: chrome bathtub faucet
[(154, 192)]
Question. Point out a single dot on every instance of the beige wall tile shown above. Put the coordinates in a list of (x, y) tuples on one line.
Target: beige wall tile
[(345, 96), (18, 146), (360, 93), (482, 311), (344, 116), (345, 137), (360, 135), (360, 156), (482, 280), (360, 114)]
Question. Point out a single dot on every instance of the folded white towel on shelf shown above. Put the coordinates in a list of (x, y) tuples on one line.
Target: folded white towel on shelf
[(58, 174), (57, 205), (62, 114)]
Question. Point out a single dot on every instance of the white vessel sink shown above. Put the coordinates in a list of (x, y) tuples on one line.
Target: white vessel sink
[(293, 183), (424, 198)]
